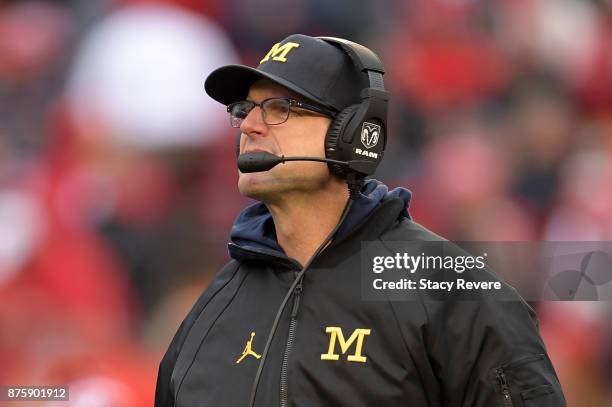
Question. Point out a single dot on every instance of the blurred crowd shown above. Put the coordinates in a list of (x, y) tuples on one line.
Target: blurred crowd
[(118, 179)]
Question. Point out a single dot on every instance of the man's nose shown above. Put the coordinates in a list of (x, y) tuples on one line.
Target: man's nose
[(253, 124)]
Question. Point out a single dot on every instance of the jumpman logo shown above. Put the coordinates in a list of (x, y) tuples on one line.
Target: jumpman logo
[(248, 350)]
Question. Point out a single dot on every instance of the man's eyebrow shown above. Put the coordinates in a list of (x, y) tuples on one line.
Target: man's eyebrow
[(296, 98), (271, 97)]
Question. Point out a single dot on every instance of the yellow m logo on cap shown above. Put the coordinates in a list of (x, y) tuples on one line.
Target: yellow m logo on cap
[(336, 335), (279, 52)]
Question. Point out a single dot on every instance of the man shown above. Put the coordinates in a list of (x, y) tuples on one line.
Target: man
[(292, 293)]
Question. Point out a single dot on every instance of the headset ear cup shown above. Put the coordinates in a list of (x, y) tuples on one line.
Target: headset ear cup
[(334, 147)]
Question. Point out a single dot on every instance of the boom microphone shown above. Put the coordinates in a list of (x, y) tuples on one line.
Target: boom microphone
[(264, 161), (258, 161)]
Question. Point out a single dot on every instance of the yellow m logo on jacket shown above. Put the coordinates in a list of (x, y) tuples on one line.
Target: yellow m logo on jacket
[(279, 52), (337, 336)]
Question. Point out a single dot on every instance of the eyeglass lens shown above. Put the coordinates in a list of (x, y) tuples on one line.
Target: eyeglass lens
[(274, 111)]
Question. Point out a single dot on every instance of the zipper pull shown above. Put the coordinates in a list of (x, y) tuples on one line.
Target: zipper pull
[(296, 301), (505, 389)]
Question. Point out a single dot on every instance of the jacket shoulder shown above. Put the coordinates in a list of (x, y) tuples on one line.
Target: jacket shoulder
[(472, 343), (407, 229)]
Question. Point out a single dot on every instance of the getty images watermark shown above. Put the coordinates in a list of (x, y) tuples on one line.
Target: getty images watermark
[(557, 271)]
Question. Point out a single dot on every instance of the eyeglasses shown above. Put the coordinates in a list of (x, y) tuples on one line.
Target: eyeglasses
[(273, 110)]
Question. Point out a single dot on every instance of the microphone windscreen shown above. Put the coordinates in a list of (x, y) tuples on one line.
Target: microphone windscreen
[(257, 161)]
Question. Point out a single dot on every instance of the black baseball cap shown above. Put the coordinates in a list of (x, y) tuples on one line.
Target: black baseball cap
[(311, 67)]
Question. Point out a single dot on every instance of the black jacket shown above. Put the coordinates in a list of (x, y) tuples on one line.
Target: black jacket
[(334, 349)]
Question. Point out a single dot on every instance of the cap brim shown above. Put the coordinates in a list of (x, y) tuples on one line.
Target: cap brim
[(231, 83)]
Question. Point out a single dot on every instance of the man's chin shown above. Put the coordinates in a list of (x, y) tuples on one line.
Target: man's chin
[(270, 186), (267, 189), (256, 186)]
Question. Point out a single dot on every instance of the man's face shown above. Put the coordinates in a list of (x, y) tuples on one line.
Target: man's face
[(303, 134)]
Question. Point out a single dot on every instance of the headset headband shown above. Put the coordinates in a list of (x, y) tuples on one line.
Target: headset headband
[(363, 58)]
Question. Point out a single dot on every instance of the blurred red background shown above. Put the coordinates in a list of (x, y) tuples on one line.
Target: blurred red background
[(118, 181)]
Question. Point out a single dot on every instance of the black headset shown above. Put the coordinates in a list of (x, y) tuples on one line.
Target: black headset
[(358, 133)]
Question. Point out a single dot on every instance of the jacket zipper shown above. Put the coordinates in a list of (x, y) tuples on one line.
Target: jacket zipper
[(284, 390), (505, 389)]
